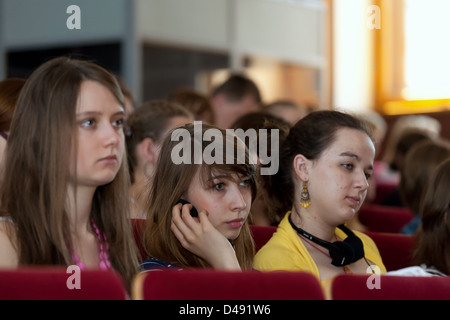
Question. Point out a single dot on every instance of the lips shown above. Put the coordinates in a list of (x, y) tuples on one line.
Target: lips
[(354, 201), (109, 159), (236, 223)]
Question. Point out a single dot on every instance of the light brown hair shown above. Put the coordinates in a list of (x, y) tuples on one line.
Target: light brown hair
[(419, 162), (34, 190), (433, 236), (170, 183)]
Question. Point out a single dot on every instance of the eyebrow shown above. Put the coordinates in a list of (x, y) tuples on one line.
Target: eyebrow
[(94, 113), (354, 156)]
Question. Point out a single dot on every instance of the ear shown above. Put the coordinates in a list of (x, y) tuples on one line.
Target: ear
[(148, 150), (301, 167)]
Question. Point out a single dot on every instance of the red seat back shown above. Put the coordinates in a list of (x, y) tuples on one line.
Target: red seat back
[(383, 218), (355, 287), (138, 228), (207, 284), (395, 249), (58, 283), (261, 234)]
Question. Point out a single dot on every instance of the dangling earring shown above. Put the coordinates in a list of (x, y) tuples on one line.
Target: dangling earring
[(305, 201)]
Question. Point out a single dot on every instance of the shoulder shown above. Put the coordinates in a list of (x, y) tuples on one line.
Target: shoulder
[(284, 251), (8, 252), (156, 264), (416, 271)]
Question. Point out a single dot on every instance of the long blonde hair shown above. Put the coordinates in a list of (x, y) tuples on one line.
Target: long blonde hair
[(38, 154)]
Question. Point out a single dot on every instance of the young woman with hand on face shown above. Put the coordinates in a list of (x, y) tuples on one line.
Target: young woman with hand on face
[(64, 196), (325, 164), (222, 193)]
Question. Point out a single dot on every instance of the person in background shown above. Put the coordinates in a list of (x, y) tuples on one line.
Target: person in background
[(408, 139), (287, 110), (194, 101), (64, 196), (127, 95), (261, 212), (395, 149), (237, 96), (9, 93), (419, 163), (431, 254), (217, 235), (147, 127), (325, 164)]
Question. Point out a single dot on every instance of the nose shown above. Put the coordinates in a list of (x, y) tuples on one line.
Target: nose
[(362, 182), (111, 136), (237, 201)]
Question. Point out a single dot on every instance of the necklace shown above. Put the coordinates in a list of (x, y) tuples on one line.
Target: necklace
[(104, 264)]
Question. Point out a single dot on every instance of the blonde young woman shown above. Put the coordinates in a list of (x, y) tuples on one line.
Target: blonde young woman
[(64, 196), (222, 193)]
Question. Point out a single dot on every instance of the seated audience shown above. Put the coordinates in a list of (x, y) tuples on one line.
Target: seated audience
[(217, 235), (325, 164), (419, 162), (432, 246), (198, 104), (405, 143), (287, 110), (237, 96), (261, 213), (148, 125), (64, 196)]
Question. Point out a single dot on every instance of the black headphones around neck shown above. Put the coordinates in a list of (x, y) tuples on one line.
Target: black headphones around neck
[(342, 253)]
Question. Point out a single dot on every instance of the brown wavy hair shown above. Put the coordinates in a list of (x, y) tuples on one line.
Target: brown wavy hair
[(170, 183)]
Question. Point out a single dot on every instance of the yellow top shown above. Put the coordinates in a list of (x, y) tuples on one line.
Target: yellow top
[(286, 251)]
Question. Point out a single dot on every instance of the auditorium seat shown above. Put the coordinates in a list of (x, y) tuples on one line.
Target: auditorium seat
[(395, 249), (363, 287), (380, 218), (60, 283), (138, 228), (261, 234), (208, 284)]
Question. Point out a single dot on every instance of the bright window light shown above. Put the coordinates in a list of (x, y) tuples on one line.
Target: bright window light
[(427, 50)]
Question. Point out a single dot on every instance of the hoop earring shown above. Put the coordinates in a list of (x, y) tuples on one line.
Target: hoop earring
[(305, 201)]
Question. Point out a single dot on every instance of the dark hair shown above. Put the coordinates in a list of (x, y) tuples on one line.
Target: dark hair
[(310, 136), (433, 236), (236, 87), (172, 180), (9, 93), (406, 141), (197, 103), (269, 122), (417, 167)]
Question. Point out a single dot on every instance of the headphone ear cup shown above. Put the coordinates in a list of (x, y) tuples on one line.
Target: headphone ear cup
[(356, 245), (341, 253)]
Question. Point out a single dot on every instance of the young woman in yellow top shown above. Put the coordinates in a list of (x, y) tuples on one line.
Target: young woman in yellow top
[(325, 164)]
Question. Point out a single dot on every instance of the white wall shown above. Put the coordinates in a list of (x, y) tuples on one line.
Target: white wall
[(41, 23), (352, 56)]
